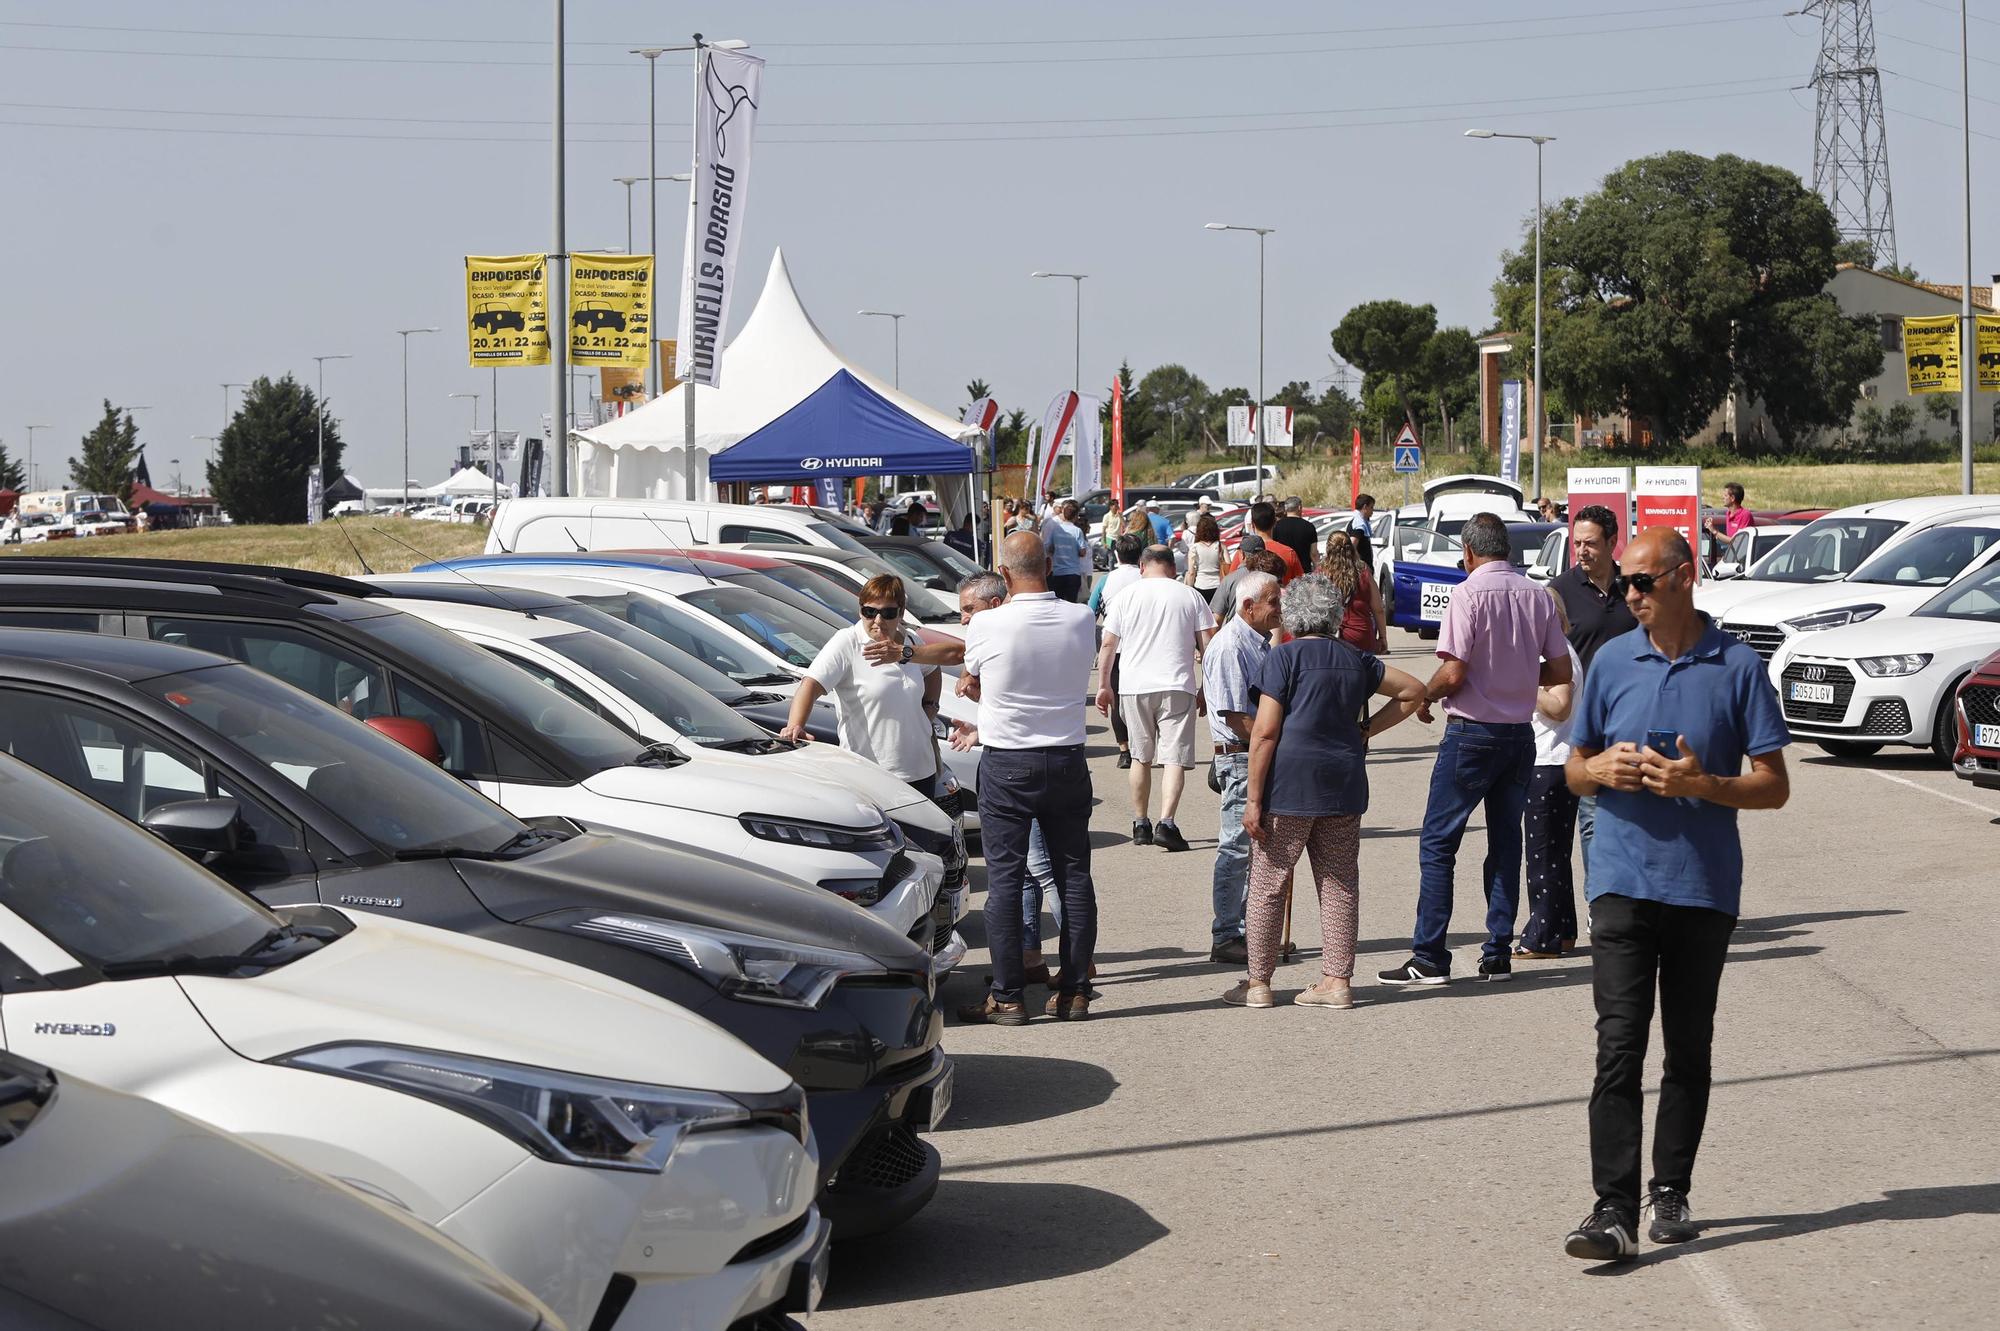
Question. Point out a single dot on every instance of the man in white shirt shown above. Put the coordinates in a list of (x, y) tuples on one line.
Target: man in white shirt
[(1023, 662), (1154, 633)]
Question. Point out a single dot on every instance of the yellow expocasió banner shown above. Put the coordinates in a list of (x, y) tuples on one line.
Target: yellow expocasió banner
[(1986, 352), (610, 309), (1930, 353), (507, 309)]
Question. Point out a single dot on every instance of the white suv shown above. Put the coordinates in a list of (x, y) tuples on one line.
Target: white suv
[(1231, 482), (613, 1153)]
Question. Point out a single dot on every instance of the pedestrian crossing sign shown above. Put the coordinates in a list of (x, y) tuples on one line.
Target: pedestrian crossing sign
[(1409, 457)]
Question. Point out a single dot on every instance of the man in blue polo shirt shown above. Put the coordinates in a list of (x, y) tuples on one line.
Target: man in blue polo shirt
[(1669, 713)]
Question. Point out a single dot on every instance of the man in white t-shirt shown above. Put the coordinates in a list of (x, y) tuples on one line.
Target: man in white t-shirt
[(1154, 633)]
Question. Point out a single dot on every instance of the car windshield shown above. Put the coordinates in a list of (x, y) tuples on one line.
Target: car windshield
[(833, 535), (691, 712), (105, 891), (1978, 597), (927, 605), (1928, 559), (761, 582), (1826, 550), (792, 637), (485, 682), (953, 560), (821, 589), (370, 782), (690, 630), (689, 667)]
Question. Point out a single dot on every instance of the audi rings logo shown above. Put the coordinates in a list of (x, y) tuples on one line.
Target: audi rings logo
[(1814, 674), (811, 464)]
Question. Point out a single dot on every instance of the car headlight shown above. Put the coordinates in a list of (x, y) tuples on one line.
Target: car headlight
[(1831, 619), (745, 966), (822, 836), (1889, 667), (560, 1116)]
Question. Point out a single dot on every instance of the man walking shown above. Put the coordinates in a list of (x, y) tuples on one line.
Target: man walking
[(1263, 521), (1296, 534), (1153, 633), (1129, 547), (1597, 612), (1069, 556), (1499, 641), (1023, 661), (1228, 668), (1667, 877)]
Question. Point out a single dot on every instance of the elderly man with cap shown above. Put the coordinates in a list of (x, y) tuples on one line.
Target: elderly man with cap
[(1252, 557)]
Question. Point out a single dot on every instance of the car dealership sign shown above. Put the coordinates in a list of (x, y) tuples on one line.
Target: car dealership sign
[(1671, 497)]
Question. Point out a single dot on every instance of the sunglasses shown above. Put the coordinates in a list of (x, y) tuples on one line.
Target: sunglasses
[(1643, 583), (880, 612)]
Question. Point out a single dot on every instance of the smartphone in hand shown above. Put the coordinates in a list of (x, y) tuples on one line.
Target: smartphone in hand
[(1666, 743)]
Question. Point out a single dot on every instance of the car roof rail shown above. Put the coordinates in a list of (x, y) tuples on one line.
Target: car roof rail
[(253, 578)]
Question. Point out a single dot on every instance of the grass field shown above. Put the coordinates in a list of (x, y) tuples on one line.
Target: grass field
[(390, 545)]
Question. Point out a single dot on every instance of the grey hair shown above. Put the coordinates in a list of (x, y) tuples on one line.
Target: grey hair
[(1251, 586), (1310, 605), (1486, 535), (984, 587), (1294, 504)]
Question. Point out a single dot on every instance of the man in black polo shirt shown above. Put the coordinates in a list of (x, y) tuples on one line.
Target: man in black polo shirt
[(1597, 614), (1296, 532)]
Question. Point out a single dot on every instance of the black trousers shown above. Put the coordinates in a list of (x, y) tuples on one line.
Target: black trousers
[(1018, 787), (1547, 833), (1118, 729), (1635, 944), (1066, 586)]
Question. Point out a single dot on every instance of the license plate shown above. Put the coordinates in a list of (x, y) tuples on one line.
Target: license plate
[(1986, 737), (1433, 598), (1822, 693), (941, 1095)]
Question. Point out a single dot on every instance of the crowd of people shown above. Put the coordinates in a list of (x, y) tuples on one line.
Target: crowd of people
[(1601, 709)]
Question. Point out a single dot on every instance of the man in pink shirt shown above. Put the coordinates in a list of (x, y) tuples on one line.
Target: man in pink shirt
[(1500, 640), (1735, 517)]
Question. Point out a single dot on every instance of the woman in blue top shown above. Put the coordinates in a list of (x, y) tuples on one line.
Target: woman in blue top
[(1309, 785)]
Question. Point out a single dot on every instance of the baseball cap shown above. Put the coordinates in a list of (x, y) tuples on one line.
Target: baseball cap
[(1251, 543)]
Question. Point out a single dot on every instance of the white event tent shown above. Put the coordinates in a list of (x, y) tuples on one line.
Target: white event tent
[(777, 361)]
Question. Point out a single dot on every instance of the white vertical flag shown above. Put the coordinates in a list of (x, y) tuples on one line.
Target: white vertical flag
[(724, 127), (1057, 436), (1087, 449)]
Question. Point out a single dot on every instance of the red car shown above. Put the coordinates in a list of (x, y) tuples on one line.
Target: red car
[(1978, 756)]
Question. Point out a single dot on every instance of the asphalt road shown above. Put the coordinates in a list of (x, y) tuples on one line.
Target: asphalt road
[(1415, 1162)]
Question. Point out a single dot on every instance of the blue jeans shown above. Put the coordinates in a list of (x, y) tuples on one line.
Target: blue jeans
[(1232, 849), (1477, 763), (1019, 788), (1039, 886)]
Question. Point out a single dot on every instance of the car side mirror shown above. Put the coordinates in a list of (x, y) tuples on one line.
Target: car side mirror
[(412, 733), (1725, 571), (197, 828)]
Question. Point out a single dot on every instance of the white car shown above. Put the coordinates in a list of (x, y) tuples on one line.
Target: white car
[(521, 525), (1736, 555), (1239, 482), (583, 1137), (934, 610), (610, 672), (1832, 547), (1891, 583), (1890, 681)]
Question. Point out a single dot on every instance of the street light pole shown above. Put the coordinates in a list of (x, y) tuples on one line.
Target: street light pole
[(1541, 413), (628, 182), (30, 477), (1076, 382), (557, 445), (896, 322), (652, 56), (1968, 343), (1261, 231), (319, 421), (404, 333), (225, 402)]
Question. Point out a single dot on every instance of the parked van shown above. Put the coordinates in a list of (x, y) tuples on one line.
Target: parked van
[(569, 525)]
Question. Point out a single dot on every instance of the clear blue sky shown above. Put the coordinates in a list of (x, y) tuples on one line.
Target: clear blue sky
[(209, 191)]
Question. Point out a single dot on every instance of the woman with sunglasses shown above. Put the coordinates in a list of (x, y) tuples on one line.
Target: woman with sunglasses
[(886, 714)]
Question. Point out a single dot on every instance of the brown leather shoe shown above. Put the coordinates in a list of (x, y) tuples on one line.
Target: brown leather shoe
[(1037, 973), (991, 1013), (1069, 1007)]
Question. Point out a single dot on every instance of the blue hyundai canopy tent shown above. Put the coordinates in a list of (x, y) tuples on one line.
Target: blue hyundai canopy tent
[(843, 428)]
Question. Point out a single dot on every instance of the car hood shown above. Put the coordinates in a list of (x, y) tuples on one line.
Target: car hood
[(1777, 607), (715, 788), (395, 982), (636, 875), (1967, 640), (1721, 597), (870, 780)]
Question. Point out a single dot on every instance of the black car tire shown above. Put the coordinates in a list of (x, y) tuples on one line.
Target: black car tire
[(1850, 749), (1944, 730)]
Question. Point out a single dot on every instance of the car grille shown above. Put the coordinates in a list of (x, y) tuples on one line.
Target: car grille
[(1887, 716), (952, 802), (886, 1161), (1818, 713), (1761, 638), (940, 922), (1982, 703), (920, 933), (772, 1241)]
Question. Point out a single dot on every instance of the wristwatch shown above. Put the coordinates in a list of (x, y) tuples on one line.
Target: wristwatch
[(909, 653)]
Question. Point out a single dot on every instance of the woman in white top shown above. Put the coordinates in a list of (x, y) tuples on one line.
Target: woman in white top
[(1551, 818), (1204, 560), (886, 713)]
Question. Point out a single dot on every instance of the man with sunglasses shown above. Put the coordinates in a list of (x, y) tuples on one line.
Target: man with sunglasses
[(1669, 714), (885, 715)]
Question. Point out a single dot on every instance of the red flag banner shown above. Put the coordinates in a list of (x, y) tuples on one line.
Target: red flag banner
[(1118, 445), (1355, 471)]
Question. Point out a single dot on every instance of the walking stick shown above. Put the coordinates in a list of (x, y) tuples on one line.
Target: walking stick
[(1286, 949)]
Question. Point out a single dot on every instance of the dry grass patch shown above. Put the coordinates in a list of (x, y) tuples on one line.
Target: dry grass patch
[(390, 545)]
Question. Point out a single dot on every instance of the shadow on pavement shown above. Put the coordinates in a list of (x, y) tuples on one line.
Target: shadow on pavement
[(1772, 923), (984, 1235), (1001, 1090)]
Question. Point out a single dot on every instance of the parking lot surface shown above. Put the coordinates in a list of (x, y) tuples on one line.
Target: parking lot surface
[(1415, 1162)]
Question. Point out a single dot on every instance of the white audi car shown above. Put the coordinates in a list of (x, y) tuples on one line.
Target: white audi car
[(627, 1162), (1890, 681)]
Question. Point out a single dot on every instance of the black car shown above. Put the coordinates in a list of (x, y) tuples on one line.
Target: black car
[(597, 318), (122, 1215), (498, 319), (932, 563), (868, 1054)]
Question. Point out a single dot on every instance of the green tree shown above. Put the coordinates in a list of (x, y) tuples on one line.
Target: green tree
[(1897, 423), (1682, 276), (1335, 415), (1385, 340), (1139, 422), (1010, 437), (109, 452), (977, 389), (1177, 399), (1449, 369), (267, 449), (12, 477)]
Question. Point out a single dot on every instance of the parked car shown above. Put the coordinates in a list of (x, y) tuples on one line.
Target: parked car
[(803, 590), (1097, 503), (574, 524), (932, 563), (1421, 589), (293, 802), (1891, 681), (533, 751), (87, 1171), (932, 609), (1237, 482), (1978, 756), (1735, 556), (607, 1150)]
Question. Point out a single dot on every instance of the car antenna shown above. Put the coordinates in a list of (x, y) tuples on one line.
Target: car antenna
[(680, 549), (340, 521), (494, 592), (580, 547)]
